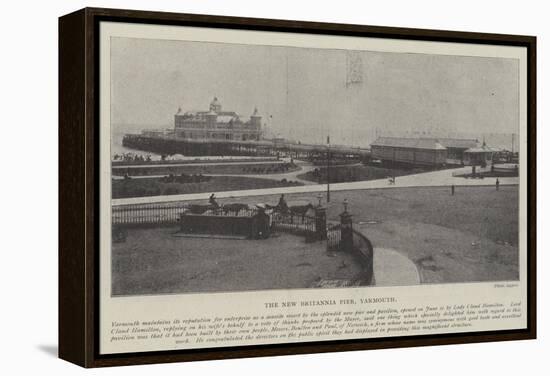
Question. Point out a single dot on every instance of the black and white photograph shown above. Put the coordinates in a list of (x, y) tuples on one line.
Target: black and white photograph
[(261, 187), (275, 188), (246, 167)]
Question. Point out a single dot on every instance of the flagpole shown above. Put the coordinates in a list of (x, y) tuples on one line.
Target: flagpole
[(328, 169)]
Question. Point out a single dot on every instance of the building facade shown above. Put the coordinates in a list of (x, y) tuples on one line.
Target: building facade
[(409, 151), (456, 147), (431, 151), (217, 124)]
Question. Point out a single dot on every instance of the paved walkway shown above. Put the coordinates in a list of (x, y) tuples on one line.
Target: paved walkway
[(440, 178), (391, 268)]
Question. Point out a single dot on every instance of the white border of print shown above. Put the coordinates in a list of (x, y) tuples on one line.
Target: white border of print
[(168, 307)]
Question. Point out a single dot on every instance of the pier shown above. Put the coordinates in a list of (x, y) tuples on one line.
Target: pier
[(171, 144)]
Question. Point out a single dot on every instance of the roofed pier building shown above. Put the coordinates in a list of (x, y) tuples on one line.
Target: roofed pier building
[(478, 156), (217, 124), (409, 151), (456, 147), (430, 152)]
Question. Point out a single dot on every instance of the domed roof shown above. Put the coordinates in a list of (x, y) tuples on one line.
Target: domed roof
[(215, 105)]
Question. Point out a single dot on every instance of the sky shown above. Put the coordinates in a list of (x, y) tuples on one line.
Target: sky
[(305, 94)]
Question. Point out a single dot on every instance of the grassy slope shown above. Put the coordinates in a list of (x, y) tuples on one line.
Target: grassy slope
[(154, 186), (153, 261), (344, 173)]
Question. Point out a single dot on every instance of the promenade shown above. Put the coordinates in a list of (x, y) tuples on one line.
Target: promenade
[(392, 268), (439, 178)]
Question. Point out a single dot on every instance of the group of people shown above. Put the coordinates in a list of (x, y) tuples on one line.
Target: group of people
[(131, 157)]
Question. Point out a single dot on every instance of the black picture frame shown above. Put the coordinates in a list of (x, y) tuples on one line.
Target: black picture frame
[(79, 189)]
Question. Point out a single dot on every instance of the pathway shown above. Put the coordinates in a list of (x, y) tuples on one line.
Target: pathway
[(391, 268), (439, 178)]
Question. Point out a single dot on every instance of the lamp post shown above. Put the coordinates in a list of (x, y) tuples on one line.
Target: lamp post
[(320, 220), (346, 229), (328, 169)]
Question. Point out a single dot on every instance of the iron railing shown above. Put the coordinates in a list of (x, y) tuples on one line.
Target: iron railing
[(168, 213), (334, 237), (146, 213), (293, 223)]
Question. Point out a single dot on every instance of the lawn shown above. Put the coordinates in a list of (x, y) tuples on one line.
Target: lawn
[(154, 261), (142, 187), (471, 236), (341, 174), (212, 168)]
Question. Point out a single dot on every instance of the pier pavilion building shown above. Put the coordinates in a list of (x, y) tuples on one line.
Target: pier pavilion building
[(216, 124)]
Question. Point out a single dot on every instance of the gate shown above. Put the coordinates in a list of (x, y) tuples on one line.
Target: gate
[(334, 237), (293, 223)]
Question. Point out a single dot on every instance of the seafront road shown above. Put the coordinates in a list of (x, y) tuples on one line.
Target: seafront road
[(438, 178)]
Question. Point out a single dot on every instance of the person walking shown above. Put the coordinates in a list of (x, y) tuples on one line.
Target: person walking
[(497, 184), (452, 190)]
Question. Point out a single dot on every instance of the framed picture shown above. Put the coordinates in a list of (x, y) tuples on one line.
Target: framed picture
[(236, 187)]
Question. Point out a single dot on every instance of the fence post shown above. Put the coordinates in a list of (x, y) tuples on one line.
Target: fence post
[(321, 222), (182, 222), (346, 229), (260, 225)]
